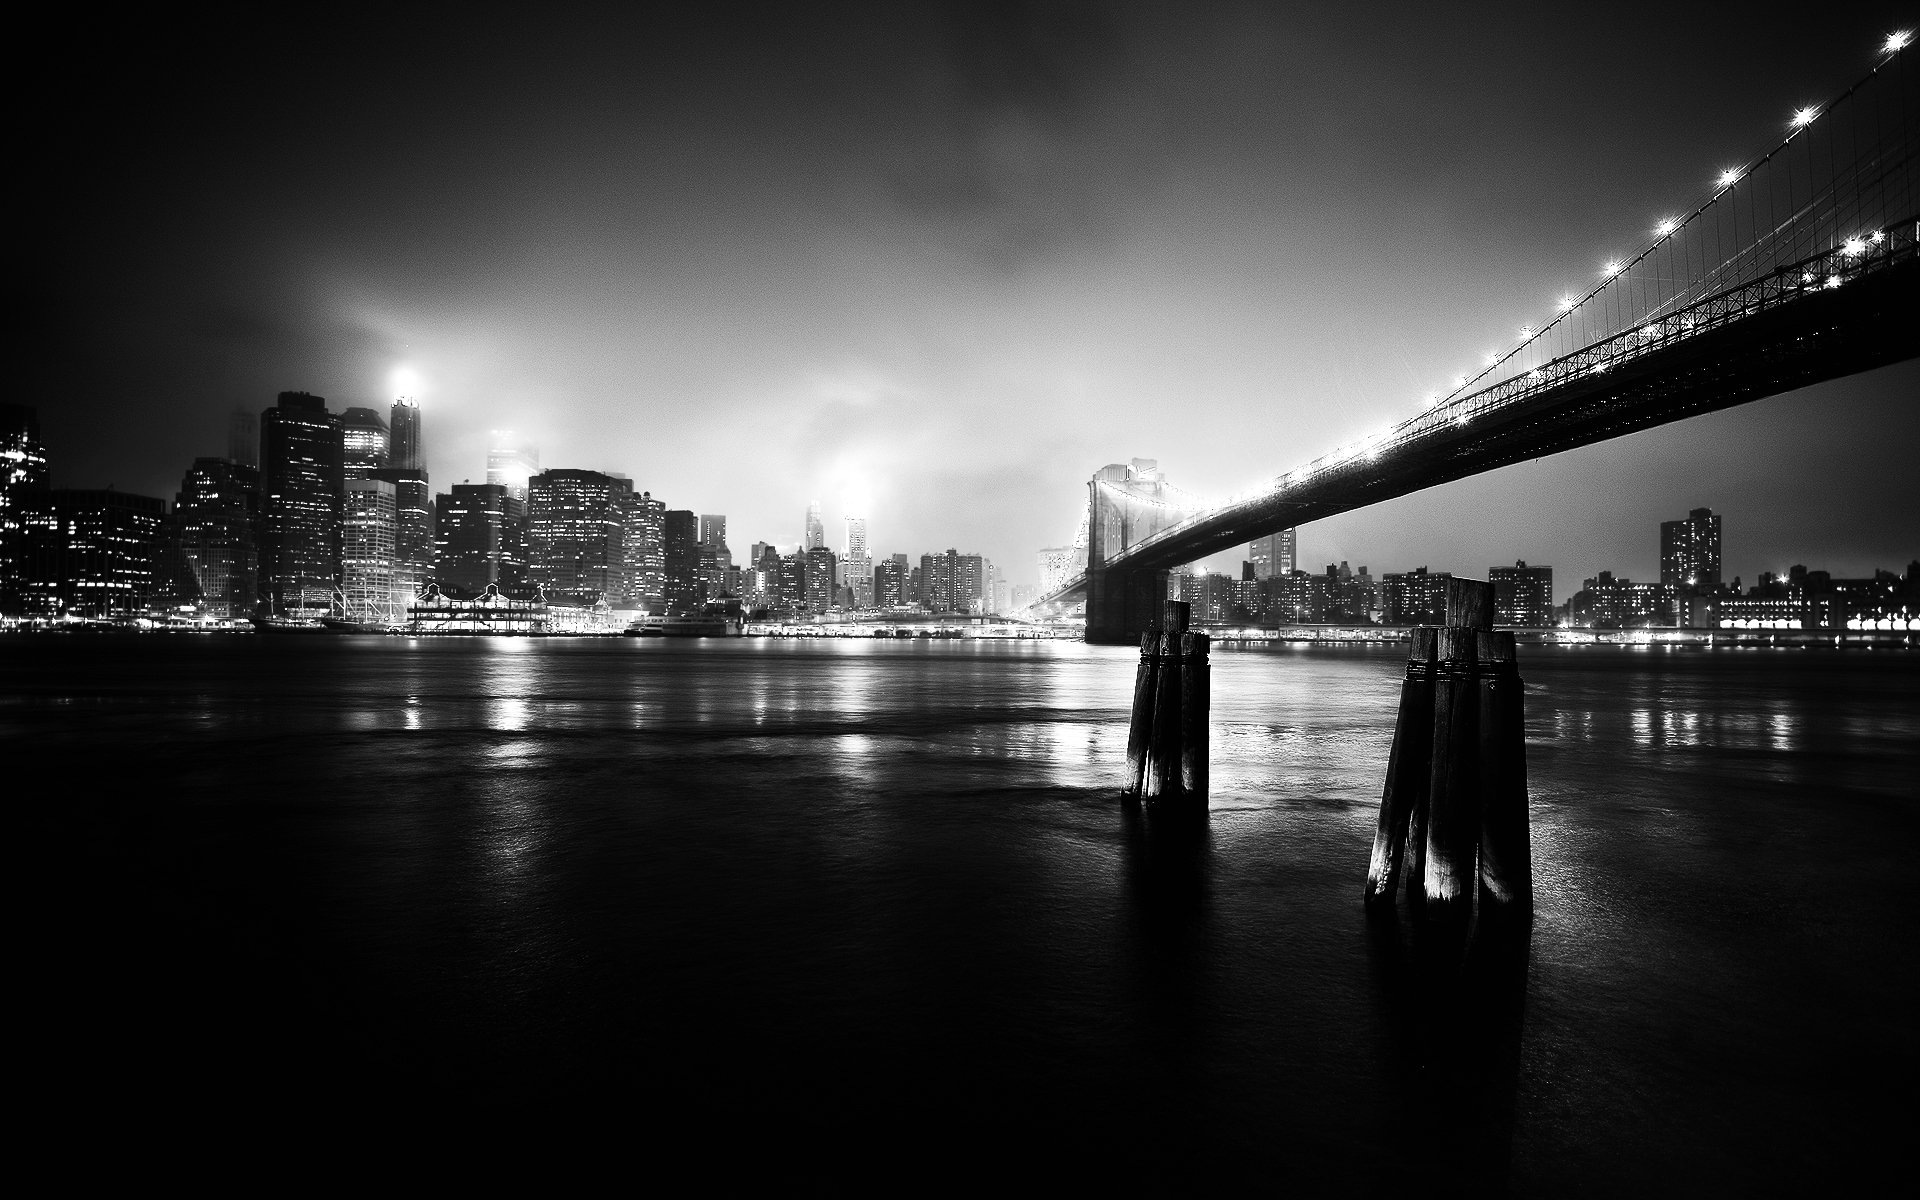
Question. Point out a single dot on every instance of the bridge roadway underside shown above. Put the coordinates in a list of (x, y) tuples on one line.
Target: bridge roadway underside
[(1871, 322)]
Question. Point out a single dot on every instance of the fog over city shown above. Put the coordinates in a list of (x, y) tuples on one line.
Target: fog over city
[(933, 264)]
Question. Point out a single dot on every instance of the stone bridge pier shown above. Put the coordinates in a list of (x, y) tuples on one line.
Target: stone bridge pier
[(1122, 605)]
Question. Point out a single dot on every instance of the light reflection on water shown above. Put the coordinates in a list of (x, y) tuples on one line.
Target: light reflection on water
[(870, 865)]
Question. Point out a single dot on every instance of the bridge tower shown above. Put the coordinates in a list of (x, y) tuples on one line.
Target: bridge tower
[(1125, 506)]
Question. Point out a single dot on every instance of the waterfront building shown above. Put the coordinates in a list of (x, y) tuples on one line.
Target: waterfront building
[(822, 579), (890, 582), (793, 581), (1273, 555), (680, 533), (1690, 551), (216, 518), (1415, 597), (368, 537), (716, 559), (363, 442), (480, 541), (1021, 598), (511, 463), (301, 496), (1522, 595), (94, 554), (1295, 598), (1605, 602), (646, 552), (577, 536), (23, 473), (413, 545), (405, 449), (856, 566)]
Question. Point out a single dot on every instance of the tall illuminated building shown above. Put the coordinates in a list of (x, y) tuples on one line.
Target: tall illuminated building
[(405, 450), (368, 587), (1273, 555), (646, 552), (23, 474), (856, 565), (364, 441), (576, 535), (480, 541), (821, 580), (816, 536), (511, 463), (301, 497), (680, 543), (413, 528), (1522, 595), (890, 582), (97, 555), (716, 560), (216, 517), (1690, 551)]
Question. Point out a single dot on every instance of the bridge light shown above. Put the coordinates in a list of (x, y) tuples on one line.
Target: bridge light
[(1879, 235), (1567, 303), (1666, 226), (1433, 398), (1897, 41), (1833, 281), (1526, 331), (1459, 381), (1612, 268), (1493, 356), (1728, 177), (1803, 117), (1854, 246)]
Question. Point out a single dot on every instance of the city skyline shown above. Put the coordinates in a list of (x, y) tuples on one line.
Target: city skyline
[(887, 244)]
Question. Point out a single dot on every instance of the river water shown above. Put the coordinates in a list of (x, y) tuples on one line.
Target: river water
[(866, 911)]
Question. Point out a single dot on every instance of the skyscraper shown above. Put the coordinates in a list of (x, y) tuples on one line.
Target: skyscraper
[(1274, 554), (413, 528), (480, 540), (92, 554), (822, 578), (23, 473), (405, 450), (364, 440), (816, 535), (217, 518), (855, 565), (1522, 595), (890, 582), (576, 535), (511, 463), (301, 495), (1690, 551), (243, 438), (680, 535), (646, 551), (369, 527)]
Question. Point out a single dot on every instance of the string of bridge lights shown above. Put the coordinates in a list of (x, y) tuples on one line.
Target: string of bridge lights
[(1369, 447)]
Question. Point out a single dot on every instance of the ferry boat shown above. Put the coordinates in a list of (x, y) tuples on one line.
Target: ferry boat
[(288, 625)]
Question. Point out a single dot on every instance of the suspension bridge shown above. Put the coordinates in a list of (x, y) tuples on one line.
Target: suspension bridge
[(1799, 266)]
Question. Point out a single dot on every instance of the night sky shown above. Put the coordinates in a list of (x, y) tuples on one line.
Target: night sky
[(937, 262)]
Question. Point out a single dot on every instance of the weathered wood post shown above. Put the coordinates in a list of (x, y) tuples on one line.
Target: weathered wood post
[(1167, 736), (1453, 815), (1506, 850), (1403, 802)]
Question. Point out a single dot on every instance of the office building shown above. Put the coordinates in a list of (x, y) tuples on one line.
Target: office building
[(243, 438), (480, 541), (856, 566), (1690, 551), (405, 450), (363, 442), (1057, 565), (822, 579), (95, 555), (680, 537), (1522, 595), (816, 532), (1415, 597), (577, 536), (216, 518), (511, 463), (646, 552), (890, 582), (23, 473), (413, 546), (1273, 555), (301, 496), (368, 536)]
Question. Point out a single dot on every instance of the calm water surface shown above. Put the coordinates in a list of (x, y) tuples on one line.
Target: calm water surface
[(848, 908)]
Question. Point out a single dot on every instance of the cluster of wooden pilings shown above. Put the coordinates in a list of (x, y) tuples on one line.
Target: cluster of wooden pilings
[(1453, 814), (1167, 739)]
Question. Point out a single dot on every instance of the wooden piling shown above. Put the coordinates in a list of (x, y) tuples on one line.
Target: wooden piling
[(1449, 880), (1506, 852), (1408, 766), (1140, 727), (1195, 696), (1162, 775)]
